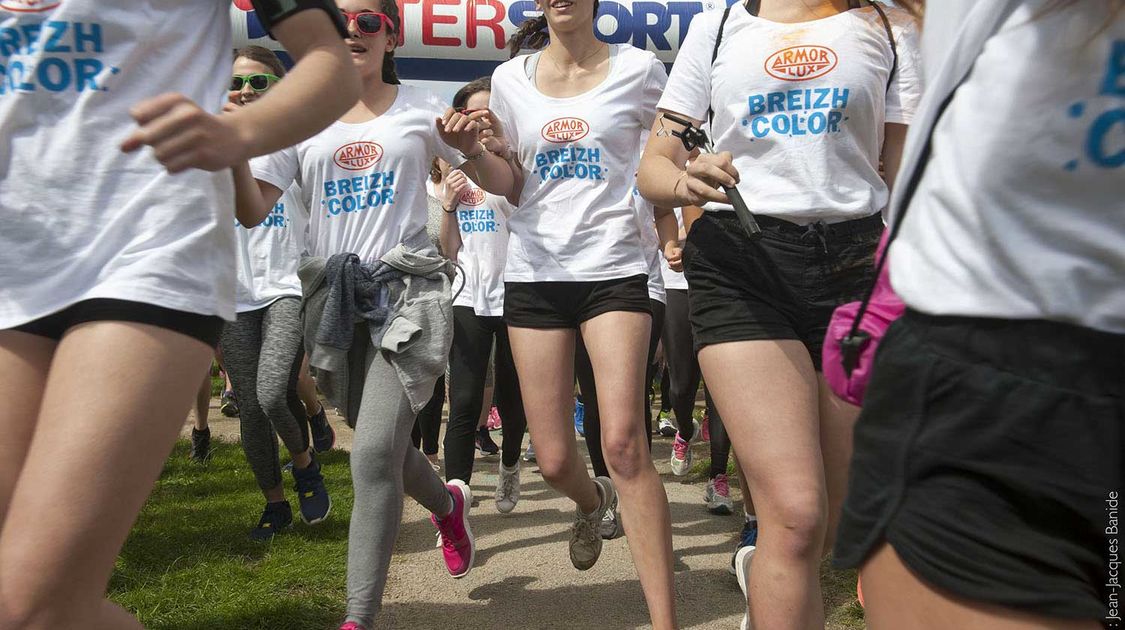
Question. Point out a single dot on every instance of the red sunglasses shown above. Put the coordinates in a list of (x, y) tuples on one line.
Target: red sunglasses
[(369, 22)]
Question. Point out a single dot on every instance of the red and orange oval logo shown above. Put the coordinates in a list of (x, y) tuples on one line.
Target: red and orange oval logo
[(802, 63), (357, 156), (472, 197), (563, 130), (29, 6)]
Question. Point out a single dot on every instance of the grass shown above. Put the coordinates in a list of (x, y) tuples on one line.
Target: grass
[(189, 565)]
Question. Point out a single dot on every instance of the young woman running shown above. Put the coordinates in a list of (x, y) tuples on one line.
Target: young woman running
[(584, 371), (806, 98), (363, 180), (120, 267), (986, 484), (573, 114), (475, 234), (262, 347)]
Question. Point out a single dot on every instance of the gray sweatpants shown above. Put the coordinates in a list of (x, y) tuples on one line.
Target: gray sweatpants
[(385, 465), (262, 354)]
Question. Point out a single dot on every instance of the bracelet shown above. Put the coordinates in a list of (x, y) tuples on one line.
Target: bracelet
[(448, 211), (477, 155), (676, 186)]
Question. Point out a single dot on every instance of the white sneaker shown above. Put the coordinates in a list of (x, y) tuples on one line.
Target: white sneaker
[(665, 426), (611, 524), (585, 538), (742, 562), (508, 489), (717, 496), (681, 451), (529, 454)]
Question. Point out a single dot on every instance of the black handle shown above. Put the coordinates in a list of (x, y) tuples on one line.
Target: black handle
[(744, 216)]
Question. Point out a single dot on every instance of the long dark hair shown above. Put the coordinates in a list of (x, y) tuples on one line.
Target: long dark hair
[(264, 56), (533, 34), (390, 9), (483, 84)]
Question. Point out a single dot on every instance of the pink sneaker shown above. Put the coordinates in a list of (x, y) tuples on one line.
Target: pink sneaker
[(494, 419), (351, 625), (457, 544)]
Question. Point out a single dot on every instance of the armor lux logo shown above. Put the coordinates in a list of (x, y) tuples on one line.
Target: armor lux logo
[(562, 130), (801, 63), (358, 155), (472, 197), (29, 6)]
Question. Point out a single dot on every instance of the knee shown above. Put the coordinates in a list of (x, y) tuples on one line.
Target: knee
[(274, 400), (372, 464), (29, 606), (626, 453), (553, 466), (800, 522)]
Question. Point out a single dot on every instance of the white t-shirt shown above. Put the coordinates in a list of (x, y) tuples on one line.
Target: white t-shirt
[(482, 222), (80, 219), (801, 106), (674, 279), (576, 220), (365, 183), (269, 254), (1021, 211), (650, 243)]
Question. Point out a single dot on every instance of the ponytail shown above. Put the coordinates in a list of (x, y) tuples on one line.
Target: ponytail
[(533, 34), (390, 9), (390, 75)]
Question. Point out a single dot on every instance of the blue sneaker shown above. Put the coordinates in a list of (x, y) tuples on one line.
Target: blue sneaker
[(276, 517), (323, 436), (748, 538), (579, 417), (311, 493)]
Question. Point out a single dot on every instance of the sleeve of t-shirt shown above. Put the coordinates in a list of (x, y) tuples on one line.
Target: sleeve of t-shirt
[(688, 91), (655, 83), (907, 85), (277, 169), (501, 108)]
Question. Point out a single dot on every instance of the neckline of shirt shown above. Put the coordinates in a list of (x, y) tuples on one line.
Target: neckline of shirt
[(399, 93), (529, 81), (754, 19)]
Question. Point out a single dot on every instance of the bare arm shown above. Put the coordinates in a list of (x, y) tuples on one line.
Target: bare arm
[(893, 142), (321, 87), (668, 231), (253, 198), (663, 180), (455, 184), (493, 173), (690, 214)]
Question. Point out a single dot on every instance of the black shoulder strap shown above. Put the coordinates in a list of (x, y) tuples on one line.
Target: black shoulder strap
[(715, 56)]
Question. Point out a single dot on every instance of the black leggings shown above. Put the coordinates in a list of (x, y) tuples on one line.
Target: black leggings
[(683, 380), (427, 426), (473, 337), (584, 371)]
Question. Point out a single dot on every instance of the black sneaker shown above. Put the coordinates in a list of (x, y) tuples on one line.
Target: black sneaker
[(200, 445), (485, 444), (323, 436), (276, 517), (311, 493), (228, 405)]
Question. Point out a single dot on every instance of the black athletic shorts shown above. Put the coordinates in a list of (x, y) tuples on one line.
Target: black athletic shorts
[(987, 455), (205, 328), (783, 286), (568, 304)]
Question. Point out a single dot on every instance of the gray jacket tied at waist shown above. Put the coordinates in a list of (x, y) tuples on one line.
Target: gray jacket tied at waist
[(400, 304)]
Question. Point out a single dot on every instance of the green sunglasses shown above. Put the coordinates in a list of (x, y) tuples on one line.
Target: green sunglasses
[(258, 82)]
